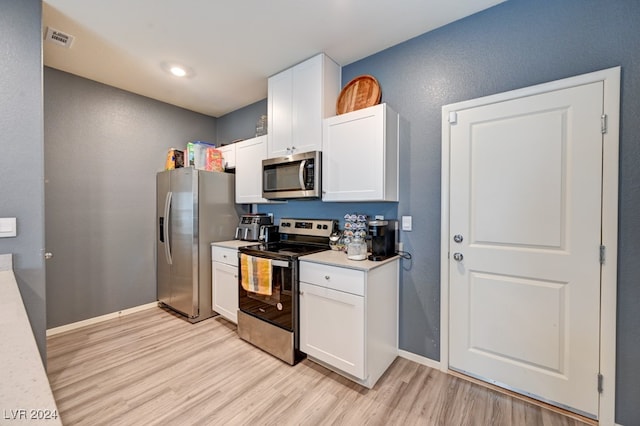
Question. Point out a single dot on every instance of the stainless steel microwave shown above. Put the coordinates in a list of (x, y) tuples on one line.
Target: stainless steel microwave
[(293, 176)]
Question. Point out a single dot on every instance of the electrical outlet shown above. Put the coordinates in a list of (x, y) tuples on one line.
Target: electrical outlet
[(399, 247)]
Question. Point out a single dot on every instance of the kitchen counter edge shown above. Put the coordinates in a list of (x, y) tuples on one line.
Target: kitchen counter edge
[(339, 258), (24, 391), (233, 244)]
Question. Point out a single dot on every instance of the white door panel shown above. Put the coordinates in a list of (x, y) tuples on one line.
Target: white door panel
[(498, 220), (529, 330), (525, 195)]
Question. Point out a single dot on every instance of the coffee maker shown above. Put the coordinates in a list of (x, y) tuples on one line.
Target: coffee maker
[(249, 227), (269, 234), (384, 236)]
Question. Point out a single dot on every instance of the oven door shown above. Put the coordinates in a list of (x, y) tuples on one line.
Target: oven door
[(280, 307)]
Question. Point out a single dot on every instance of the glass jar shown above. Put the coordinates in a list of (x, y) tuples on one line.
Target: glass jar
[(335, 241), (357, 249), (261, 126)]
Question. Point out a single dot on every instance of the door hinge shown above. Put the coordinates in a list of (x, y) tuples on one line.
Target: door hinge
[(602, 254), (453, 117), (603, 123), (600, 379)]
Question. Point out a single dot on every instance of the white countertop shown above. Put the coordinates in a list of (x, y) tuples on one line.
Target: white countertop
[(25, 394), (328, 257), (339, 258), (234, 244)]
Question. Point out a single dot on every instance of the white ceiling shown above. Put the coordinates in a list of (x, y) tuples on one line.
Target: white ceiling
[(232, 45)]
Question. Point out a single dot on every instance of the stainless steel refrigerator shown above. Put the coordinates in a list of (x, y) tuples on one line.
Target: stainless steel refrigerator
[(194, 209)]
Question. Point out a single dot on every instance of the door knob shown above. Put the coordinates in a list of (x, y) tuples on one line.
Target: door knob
[(48, 255), (458, 257), (457, 238)]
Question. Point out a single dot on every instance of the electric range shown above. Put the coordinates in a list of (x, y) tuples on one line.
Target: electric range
[(268, 282)]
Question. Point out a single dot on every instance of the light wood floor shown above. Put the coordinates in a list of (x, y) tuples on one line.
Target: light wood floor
[(153, 368)]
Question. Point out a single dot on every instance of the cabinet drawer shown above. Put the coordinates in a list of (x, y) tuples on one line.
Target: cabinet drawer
[(333, 277), (225, 255)]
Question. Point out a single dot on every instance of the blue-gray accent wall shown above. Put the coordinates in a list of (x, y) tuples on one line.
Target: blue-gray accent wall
[(515, 44), (21, 144)]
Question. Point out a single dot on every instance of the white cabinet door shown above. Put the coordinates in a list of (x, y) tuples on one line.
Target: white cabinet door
[(225, 290), (360, 156), (280, 113), (332, 328), (306, 129), (299, 98), (249, 156), (228, 156)]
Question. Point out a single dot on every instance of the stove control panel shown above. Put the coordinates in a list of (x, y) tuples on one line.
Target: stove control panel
[(313, 227)]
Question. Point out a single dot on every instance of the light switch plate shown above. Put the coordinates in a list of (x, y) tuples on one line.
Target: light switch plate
[(8, 227), (406, 223)]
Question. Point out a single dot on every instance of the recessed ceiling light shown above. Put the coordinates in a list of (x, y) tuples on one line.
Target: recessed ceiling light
[(177, 70)]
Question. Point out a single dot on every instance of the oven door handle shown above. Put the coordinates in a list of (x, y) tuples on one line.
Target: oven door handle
[(274, 262), (280, 263)]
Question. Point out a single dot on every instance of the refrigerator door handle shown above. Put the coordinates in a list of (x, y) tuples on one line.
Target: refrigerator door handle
[(161, 228), (167, 219)]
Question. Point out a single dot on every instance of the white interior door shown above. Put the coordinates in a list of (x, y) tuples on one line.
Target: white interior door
[(525, 236)]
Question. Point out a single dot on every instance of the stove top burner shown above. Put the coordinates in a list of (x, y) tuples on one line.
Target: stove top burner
[(298, 237), (285, 248)]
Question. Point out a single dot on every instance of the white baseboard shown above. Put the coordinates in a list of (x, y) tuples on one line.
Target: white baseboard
[(419, 359), (101, 318)]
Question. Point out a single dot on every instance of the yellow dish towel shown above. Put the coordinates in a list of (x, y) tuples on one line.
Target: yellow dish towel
[(256, 274)]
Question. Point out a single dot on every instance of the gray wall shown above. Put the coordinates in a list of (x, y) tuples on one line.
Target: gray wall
[(516, 44), (103, 147), (21, 144), (240, 124)]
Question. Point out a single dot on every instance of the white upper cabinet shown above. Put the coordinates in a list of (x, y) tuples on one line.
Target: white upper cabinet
[(360, 155), (299, 98), (249, 156), (228, 156)]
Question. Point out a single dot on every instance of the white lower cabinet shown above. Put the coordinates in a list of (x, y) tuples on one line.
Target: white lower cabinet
[(224, 279), (332, 328), (349, 318)]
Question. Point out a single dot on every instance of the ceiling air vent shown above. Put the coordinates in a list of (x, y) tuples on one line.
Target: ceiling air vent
[(58, 37)]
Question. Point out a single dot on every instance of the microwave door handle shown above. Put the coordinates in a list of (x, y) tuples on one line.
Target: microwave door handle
[(303, 163)]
